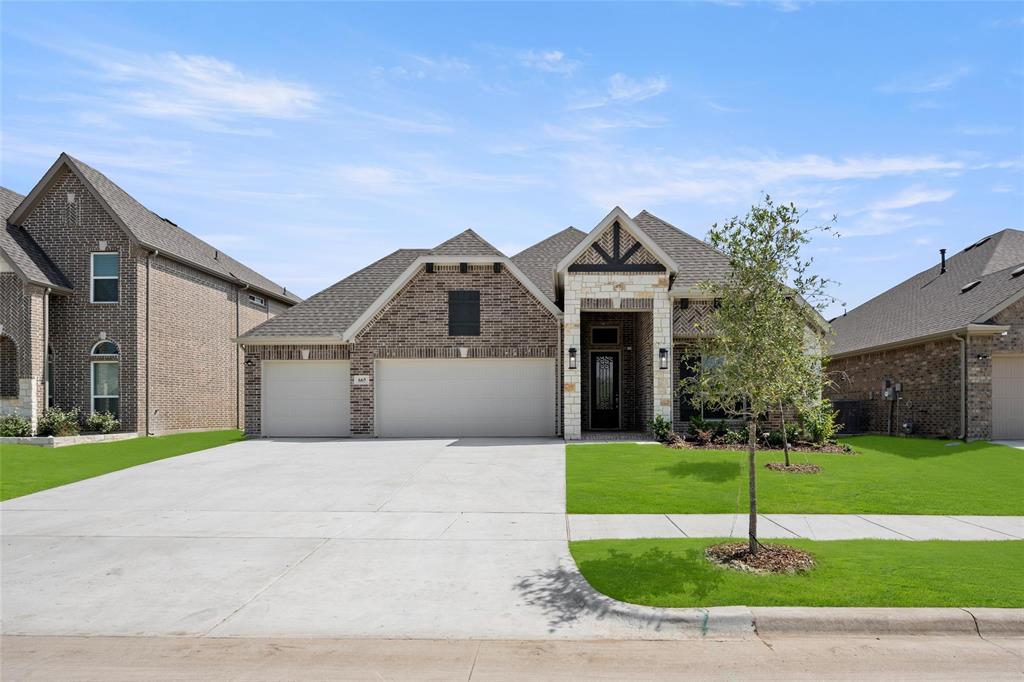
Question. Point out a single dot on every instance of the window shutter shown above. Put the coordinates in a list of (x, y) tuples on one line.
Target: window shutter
[(464, 313)]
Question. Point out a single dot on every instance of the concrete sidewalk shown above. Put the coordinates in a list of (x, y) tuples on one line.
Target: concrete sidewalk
[(809, 526)]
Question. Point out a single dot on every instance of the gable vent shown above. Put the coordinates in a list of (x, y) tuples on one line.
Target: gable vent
[(977, 243), (1018, 271), (967, 287)]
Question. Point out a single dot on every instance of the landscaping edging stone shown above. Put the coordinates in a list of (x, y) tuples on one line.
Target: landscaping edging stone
[(62, 441)]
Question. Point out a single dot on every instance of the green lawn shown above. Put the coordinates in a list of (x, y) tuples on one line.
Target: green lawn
[(849, 573), (27, 469), (890, 475)]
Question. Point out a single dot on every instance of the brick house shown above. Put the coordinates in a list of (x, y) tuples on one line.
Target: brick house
[(106, 306), (941, 354), (581, 333)]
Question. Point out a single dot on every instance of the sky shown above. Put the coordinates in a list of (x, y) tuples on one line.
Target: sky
[(308, 140)]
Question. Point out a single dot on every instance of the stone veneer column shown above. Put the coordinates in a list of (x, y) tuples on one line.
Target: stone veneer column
[(662, 323), (572, 404)]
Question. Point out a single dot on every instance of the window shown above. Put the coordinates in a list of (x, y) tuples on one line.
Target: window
[(104, 277), (604, 336), (686, 408), (106, 388), (258, 300), (463, 313)]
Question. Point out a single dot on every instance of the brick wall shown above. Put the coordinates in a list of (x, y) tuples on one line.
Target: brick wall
[(930, 375), (415, 325), (75, 323), (254, 357), (194, 364)]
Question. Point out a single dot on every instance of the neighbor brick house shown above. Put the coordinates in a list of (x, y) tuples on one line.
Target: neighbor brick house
[(580, 333), (941, 354), (106, 306)]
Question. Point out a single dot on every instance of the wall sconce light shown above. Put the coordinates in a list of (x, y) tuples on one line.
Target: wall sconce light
[(663, 356), (249, 362), (572, 358)]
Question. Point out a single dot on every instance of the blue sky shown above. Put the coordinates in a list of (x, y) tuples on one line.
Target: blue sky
[(310, 139)]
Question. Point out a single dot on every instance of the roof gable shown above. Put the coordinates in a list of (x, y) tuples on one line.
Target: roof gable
[(616, 217), (149, 229), (616, 249), (24, 255), (932, 302), (466, 243)]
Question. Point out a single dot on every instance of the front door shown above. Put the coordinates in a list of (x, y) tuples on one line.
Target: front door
[(604, 390)]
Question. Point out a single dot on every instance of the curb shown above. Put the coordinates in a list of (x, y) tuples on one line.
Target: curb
[(811, 621)]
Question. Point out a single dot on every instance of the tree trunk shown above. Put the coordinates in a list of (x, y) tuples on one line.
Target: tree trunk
[(752, 480), (785, 436)]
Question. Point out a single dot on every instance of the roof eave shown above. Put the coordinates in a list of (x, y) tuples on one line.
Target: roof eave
[(244, 340), (967, 330)]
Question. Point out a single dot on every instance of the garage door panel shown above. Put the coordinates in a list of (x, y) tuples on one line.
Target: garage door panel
[(1008, 396), (465, 397), (306, 398)]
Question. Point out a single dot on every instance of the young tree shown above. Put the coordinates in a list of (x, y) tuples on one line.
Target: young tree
[(757, 334)]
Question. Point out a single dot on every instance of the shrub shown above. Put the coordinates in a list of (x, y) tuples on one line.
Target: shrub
[(674, 440), (14, 426), (733, 437), (697, 423), (661, 427), (103, 422), (58, 422), (819, 422), (704, 436)]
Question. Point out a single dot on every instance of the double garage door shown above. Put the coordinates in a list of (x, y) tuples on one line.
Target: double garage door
[(414, 398), (1008, 396)]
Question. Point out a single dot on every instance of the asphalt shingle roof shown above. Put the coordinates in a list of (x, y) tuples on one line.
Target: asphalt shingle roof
[(334, 309), (467, 243), (161, 234), (538, 261), (22, 250), (698, 261), (931, 303)]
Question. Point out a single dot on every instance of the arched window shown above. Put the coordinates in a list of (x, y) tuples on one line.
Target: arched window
[(106, 387)]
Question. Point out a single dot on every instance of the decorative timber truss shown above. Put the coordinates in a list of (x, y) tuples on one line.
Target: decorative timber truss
[(617, 251)]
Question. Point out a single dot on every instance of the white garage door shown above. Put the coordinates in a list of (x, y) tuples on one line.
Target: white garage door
[(1008, 396), (465, 397), (306, 398)]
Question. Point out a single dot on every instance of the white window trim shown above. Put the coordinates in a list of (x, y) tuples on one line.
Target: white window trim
[(257, 300), (93, 277), (92, 384), (96, 345)]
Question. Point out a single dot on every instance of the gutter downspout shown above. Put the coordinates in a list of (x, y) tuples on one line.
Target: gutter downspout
[(46, 349), (239, 370), (149, 257), (963, 385)]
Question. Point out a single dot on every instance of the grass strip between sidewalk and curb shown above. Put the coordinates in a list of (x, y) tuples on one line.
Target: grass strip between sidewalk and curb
[(888, 475), (26, 469), (864, 573)]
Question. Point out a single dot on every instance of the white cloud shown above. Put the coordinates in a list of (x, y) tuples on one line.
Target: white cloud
[(923, 241), (200, 87), (423, 175), (420, 67), (912, 196), (924, 83), (621, 89), (982, 130), (1002, 189), (551, 61)]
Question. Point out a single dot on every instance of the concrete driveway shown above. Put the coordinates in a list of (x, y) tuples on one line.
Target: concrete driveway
[(436, 538)]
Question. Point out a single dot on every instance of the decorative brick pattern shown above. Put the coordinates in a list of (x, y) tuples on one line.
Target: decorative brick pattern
[(685, 320), (414, 324), (607, 242)]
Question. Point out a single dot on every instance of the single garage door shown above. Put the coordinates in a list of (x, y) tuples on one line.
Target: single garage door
[(1008, 396), (306, 398), (465, 397)]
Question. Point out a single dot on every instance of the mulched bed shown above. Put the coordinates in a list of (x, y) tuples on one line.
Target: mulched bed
[(837, 449), (794, 468), (768, 559)]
